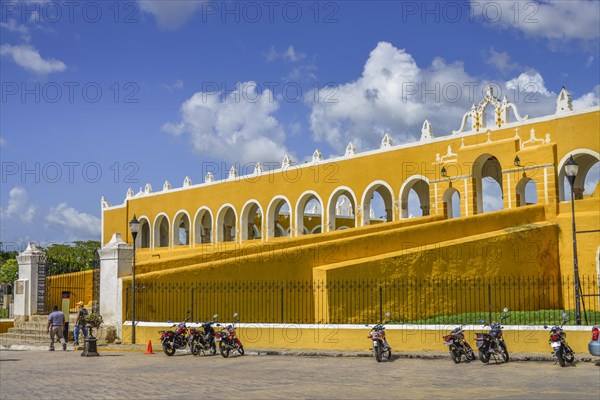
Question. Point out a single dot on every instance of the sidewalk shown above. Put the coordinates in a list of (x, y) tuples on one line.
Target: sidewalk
[(425, 355)]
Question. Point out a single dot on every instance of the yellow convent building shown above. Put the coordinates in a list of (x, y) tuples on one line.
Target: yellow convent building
[(317, 220)]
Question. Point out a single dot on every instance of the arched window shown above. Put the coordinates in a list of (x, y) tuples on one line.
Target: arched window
[(181, 229), (487, 176), (203, 226), (250, 225), (526, 192), (341, 208), (278, 221), (309, 211), (414, 197), (451, 203), (161, 231), (586, 180), (226, 224), (378, 203)]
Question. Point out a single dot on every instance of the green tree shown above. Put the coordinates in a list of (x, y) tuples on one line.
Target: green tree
[(9, 271), (78, 256), (7, 254)]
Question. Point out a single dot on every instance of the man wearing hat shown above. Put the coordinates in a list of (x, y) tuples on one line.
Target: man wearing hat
[(80, 323)]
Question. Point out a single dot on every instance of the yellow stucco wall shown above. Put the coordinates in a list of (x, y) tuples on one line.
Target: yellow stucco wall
[(531, 240), (80, 284), (407, 339)]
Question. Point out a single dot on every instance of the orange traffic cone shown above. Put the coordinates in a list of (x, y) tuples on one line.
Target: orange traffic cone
[(149, 348)]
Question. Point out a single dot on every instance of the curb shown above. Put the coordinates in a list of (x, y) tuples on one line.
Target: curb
[(519, 357)]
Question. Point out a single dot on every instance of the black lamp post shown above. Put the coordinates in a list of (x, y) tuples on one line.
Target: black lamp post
[(571, 169), (134, 227)]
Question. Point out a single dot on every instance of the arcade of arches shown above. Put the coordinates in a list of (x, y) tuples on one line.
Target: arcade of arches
[(497, 168)]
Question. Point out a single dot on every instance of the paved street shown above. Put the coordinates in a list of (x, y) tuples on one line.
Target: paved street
[(60, 375)]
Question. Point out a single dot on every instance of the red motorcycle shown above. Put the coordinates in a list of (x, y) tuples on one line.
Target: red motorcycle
[(381, 348), (228, 340), (173, 340)]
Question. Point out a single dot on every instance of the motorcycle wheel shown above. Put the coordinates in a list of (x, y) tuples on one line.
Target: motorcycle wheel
[(224, 350), (559, 356), (195, 347), (469, 353), (484, 357), (569, 355), (504, 351), (213, 349), (168, 347), (377, 351), (455, 354), (241, 350), (387, 353)]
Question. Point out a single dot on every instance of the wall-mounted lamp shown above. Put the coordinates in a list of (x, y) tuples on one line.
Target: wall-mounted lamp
[(517, 161), (444, 173)]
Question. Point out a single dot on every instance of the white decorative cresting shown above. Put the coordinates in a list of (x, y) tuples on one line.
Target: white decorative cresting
[(564, 103)]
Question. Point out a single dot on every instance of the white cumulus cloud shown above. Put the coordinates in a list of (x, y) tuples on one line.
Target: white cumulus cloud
[(75, 225), (394, 95), (235, 127), (551, 19), (30, 59), (171, 14), (19, 206)]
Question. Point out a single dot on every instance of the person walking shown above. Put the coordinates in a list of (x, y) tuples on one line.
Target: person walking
[(56, 323), (80, 323)]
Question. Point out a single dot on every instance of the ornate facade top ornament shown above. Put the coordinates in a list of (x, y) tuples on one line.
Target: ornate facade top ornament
[(286, 163), (187, 182), (148, 188), (426, 131), (104, 203), (209, 177), (232, 173), (317, 156), (258, 168), (129, 193), (166, 186), (350, 149), (386, 141), (534, 141), (447, 157), (501, 112), (564, 103)]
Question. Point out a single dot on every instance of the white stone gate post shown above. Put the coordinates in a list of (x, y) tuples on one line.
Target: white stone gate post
[(29, 288), (115, 262)]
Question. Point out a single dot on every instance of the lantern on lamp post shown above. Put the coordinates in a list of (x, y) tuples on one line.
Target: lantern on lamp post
[(571, 169), (134, 228)]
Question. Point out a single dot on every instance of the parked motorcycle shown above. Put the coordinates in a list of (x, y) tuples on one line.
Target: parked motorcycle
[(558, 340), (458, 346), (381, 348), (228, 340), (492, 343), (175, 339), (203, 340)]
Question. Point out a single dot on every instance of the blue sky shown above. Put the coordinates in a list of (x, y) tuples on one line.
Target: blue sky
[(98, 97)]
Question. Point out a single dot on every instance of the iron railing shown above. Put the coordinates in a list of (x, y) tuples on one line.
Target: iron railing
[(450, 300)]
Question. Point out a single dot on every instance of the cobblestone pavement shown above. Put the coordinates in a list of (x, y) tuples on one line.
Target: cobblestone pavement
[(126, 375)]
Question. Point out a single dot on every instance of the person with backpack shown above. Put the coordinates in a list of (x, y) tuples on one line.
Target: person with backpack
[(80, 323)]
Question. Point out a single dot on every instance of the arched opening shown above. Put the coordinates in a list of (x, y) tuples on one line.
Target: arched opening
[(278, 222), (143, 239), (586, 180), (309, 214), (226, 224), (341, 209), (161, 231), (487, 176), (251, 223), (526, 192), (451, 203), (203, 226), (377, 203), (181, 229), (414, 197)]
